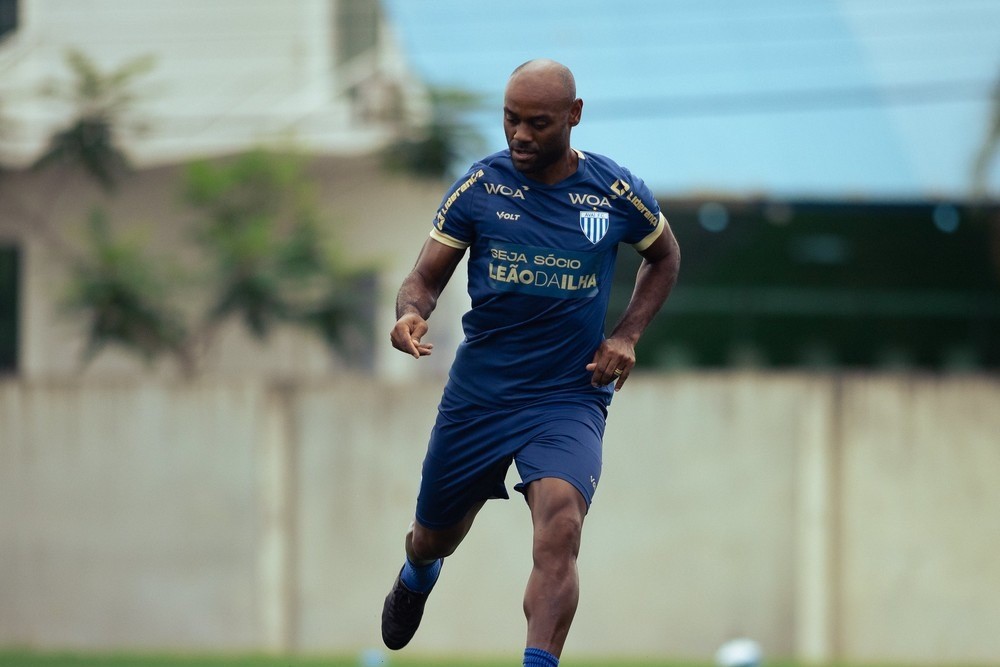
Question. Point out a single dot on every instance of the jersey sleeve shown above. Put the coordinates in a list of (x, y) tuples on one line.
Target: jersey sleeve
[(454, 223), (646, 221)]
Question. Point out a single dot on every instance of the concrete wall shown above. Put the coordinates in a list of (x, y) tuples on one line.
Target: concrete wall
[(828, 517)]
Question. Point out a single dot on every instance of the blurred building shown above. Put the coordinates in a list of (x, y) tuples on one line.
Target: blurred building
[(764, 283), (227, 75), (324, 77), (833, 516), (377, 219)]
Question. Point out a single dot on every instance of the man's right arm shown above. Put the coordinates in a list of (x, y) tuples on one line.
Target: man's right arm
[(418, 296)]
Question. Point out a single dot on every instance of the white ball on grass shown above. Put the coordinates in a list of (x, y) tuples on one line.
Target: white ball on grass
[(739, 653)]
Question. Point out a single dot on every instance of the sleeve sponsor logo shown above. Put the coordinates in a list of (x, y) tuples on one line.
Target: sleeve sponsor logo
[(640, 206), (623, 189), (443, 211), (620, 187), (543, 271)]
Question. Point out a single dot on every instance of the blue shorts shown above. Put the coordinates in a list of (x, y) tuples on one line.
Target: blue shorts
[(471, 448)]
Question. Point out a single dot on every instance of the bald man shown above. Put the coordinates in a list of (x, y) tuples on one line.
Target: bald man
[(535, 374)]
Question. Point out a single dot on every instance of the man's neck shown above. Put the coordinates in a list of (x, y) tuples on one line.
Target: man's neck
[(559, 171)]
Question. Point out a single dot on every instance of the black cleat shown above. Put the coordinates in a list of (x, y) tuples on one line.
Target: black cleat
[(401, 615)]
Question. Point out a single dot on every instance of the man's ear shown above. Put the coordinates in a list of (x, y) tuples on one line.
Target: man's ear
[(575, 112)]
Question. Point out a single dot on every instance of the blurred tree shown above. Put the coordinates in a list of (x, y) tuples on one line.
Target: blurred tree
[(435, 148), (88, 143), (261, 236), (988, 151), (262, 232), (981, 171), (123, 295), (101, 103), (258, 229), (3, 130)]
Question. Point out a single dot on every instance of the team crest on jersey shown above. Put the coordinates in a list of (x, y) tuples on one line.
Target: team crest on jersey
[(594, 224)]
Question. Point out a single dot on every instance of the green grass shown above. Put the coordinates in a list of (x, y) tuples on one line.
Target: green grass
[(35, 659), (25, 658)]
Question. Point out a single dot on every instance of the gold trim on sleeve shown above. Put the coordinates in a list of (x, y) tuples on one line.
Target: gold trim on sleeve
[(652, 236), (450, 241)]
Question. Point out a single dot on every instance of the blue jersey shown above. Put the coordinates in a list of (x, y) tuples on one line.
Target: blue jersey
[(541, 262)]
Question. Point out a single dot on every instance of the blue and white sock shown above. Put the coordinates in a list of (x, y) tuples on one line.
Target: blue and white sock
[(420, 578), (536, 657)]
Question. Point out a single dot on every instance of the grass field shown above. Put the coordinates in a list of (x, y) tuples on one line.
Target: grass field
[(30, 659), (12, 658)]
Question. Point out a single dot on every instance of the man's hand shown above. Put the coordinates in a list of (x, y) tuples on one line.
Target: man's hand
[(657, 274), (612, 362), (418, 296), (406, 335)]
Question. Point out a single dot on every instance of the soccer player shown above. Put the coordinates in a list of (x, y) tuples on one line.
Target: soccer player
[(532, 380)]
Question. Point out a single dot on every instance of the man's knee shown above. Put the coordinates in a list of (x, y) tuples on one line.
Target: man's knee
[(559, 538), (427, 544), (558, 511), (552, 498)]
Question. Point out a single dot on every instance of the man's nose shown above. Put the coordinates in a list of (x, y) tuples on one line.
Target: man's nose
[(522, 133)]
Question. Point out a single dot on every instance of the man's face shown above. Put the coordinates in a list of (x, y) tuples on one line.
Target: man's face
[(537, 119)]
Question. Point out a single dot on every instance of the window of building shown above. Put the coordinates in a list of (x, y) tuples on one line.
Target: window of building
[(8, 17), (9, 270)]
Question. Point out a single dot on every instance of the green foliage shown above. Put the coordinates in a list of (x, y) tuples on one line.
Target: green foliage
[(269, 263), (259, 224), (342, 315), (101, 102), (87, 143), (990, 147), (3, 131), (123, 297), (434, 149), (51, 659)]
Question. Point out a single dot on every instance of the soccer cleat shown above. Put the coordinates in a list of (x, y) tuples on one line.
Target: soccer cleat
[(401, 615)]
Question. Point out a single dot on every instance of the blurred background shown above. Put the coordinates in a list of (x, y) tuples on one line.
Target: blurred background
[(207, 443)]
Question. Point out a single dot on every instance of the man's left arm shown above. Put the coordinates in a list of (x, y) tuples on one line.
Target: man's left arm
[(656, 277)]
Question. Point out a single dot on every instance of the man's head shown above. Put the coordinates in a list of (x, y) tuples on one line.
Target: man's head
[(539, 109)]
